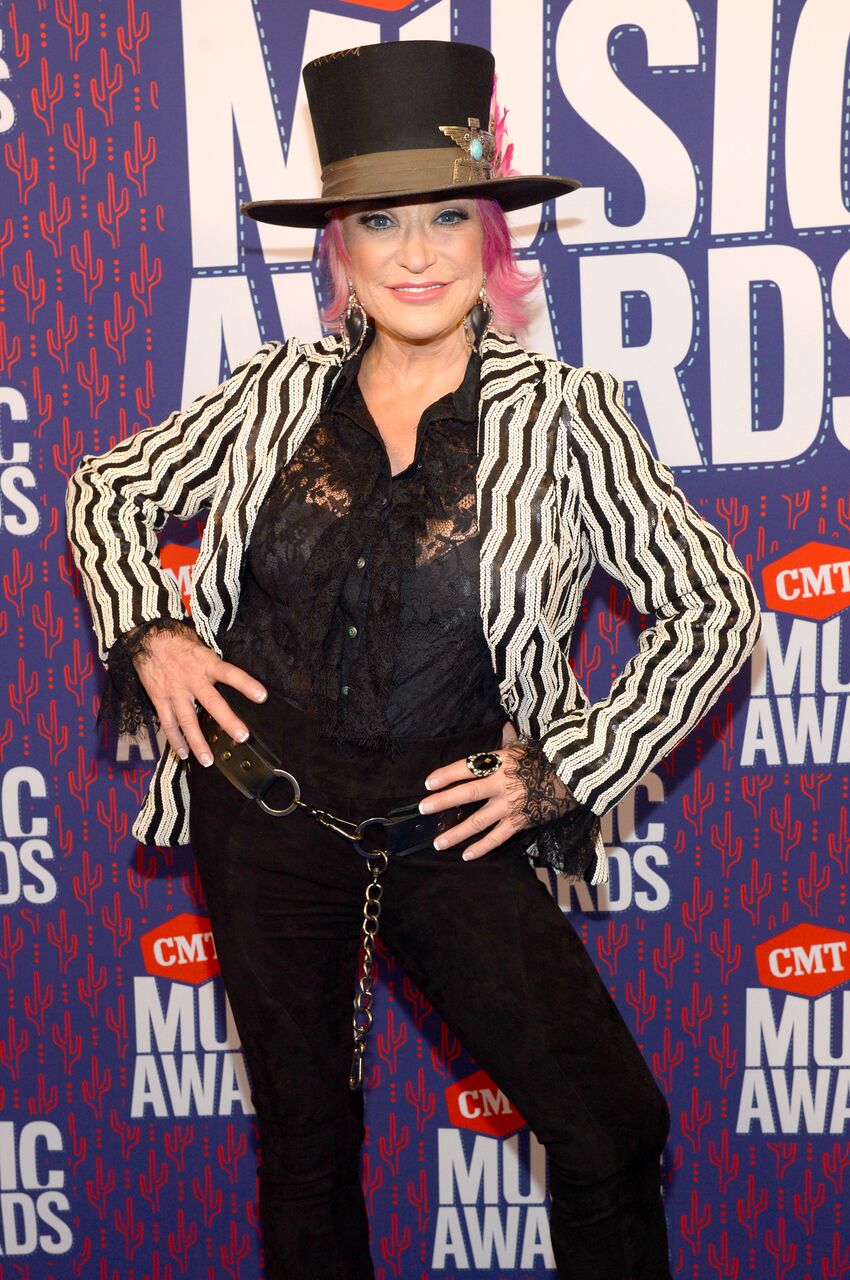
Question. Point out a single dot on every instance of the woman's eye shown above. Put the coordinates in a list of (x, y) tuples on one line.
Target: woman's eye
[(449, 217), (376, 221)]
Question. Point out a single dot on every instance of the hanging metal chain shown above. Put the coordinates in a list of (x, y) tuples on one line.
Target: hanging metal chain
[(379, 859), (363, 999), (235, 761)]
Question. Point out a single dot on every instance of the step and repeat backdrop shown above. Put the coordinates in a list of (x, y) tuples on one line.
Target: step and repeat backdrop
[(706, 261)]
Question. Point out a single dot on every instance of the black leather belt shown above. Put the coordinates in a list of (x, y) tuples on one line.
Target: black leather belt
[(254, 769)]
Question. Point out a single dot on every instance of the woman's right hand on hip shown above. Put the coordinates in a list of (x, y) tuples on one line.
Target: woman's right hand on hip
[(177, 670)]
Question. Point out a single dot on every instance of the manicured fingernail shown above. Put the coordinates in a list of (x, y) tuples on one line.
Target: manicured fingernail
[(261, 697), (428, 784), (206, 760), (426, 806), (440, 842), (467, 857), (184, 755), (243, 737)]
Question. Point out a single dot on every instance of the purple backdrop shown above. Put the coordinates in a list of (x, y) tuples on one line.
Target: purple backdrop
[(706, 262)]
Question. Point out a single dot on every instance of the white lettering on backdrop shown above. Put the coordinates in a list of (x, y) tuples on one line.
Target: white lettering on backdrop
[(232, 93)]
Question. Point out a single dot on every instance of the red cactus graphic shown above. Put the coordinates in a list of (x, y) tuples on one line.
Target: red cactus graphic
[(176, 1143), (422, 1099), (76, 24), (100, 1187), (11, 944), (644, 1004), (725, 1162), (182, 1240), (87, 266), (22, 165), (32, 287), (60, 337), (96, 1086), (230, 1153), (52, 222), (665, 959), (394, 1247), (153, 1180), (393, 1142), (721, 1051), (90, 379), (144, 281), (116, 1022), (132, 36), (138, 161), (446, 1053), (82, 145), (127, 1226), (694, 1222), (695, 1014), (129, 1134), (105, 87), (208, 1196), (391, 1041), (734, 515), (665, 1063), (609, 947), (45, 96)]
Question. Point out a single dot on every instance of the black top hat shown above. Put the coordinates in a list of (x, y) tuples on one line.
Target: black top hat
[(404, 118)]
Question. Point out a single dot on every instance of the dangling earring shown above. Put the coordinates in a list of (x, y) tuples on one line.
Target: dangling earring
[(479, 319), (352, 324)]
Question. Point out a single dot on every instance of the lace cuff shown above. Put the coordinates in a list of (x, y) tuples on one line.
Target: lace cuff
[(562, 833), (125, 703)]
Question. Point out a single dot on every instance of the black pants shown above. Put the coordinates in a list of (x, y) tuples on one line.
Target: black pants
[(488, 946)]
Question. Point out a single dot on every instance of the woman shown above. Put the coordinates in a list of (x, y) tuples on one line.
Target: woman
[(401, 524)]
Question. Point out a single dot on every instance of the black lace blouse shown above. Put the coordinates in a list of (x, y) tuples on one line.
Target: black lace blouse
[(360, 599)]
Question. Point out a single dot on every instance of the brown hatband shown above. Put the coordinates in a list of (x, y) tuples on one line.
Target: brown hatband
[(418, 169)]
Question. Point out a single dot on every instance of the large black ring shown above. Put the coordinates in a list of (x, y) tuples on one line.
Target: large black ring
[(483, 763)]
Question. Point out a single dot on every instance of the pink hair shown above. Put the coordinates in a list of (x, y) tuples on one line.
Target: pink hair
[(508, 288)]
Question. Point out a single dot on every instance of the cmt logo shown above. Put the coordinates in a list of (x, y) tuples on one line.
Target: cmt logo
[(182, 949), (188, 1059), (476, 1103), (797, 1060), (808, 960), (179, 561), (811, 582)]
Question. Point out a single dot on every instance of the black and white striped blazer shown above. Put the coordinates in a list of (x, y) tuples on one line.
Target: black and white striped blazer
[(564, 481)]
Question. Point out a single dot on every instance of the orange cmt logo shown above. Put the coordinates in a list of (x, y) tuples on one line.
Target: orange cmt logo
[(182, 949), (812, 582), (476, 1103), (808, 959), (180, 561)]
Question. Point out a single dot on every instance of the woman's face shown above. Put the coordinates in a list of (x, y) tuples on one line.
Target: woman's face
[(416, 268)]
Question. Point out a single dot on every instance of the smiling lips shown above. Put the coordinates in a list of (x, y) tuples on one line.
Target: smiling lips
[(424, 292)]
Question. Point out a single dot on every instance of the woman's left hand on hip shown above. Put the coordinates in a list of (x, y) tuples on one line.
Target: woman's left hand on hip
[(524, 792)]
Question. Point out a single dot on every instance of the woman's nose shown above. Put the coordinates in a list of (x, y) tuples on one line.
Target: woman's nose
[(416, 252)]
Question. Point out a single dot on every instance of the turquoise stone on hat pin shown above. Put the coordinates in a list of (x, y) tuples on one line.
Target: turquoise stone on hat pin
[(479, 148)]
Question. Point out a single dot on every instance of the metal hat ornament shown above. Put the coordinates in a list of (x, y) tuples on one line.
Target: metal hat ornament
[(400, 120)]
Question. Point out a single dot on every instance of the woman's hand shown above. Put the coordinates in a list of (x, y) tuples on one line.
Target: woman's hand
[(177, 669), (524, 792)]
